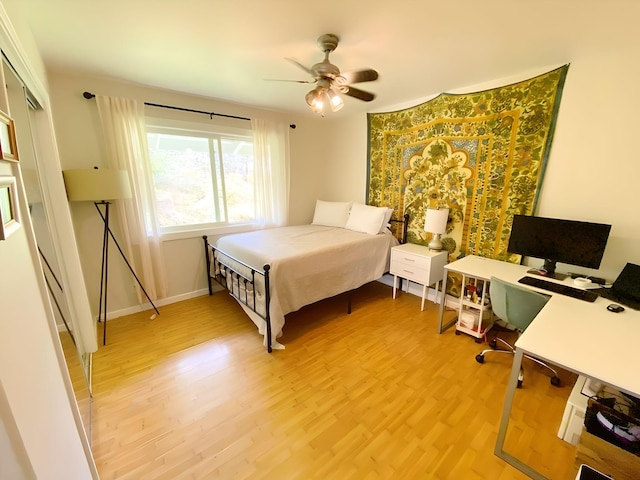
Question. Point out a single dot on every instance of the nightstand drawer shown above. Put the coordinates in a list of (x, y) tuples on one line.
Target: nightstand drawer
[(410, 271), (409, 260)]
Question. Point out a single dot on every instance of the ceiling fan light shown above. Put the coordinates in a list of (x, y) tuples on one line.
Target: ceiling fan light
[(310, 97), (318, 107), (315, 100), (335, 101)]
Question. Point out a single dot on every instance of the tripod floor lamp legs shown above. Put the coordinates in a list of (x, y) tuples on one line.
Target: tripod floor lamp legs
[(104, 278)]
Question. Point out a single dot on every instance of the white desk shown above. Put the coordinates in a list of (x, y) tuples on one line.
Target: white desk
[(482, 268), (579, 336)]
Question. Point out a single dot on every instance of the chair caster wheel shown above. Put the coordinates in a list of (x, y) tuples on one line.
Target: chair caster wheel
[(519, 383), (457, 332), (493, 343), (555, 381), (480, 358)]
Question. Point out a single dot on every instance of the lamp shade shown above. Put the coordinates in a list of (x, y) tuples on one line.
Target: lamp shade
[(96, 184), (436, 220)]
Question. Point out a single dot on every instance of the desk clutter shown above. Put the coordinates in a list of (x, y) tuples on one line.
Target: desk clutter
[(615, 417), (603, 423), (475, 316)]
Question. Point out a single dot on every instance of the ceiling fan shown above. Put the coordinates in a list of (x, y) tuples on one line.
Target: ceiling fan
[(330, 81)]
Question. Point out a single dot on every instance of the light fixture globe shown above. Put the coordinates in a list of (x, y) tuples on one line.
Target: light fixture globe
[(315, 100), (335, 101)]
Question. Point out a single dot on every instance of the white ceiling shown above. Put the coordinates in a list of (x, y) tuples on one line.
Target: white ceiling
[(226, 49)]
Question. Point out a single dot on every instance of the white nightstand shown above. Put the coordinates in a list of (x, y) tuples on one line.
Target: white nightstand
[(417, 264)]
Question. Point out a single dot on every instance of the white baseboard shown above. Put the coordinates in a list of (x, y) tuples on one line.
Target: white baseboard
[(159, 303), (416, 289), (147, 306)]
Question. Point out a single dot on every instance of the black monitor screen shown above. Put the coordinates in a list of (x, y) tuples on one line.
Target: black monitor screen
[(556, 240)]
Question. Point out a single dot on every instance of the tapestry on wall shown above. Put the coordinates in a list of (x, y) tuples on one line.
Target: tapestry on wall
[(482, 155)]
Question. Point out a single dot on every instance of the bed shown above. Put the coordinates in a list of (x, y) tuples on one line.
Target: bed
[(276, 271)]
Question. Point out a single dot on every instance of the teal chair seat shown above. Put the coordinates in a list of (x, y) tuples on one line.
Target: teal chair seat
[(517, 306)]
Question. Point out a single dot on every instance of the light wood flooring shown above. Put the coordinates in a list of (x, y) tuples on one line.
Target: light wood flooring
[(193, 394)]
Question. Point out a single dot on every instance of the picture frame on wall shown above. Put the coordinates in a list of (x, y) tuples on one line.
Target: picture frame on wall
[(9, 215), (8, 145)]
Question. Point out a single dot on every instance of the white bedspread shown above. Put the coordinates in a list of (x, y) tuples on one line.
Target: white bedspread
[(308, 263)]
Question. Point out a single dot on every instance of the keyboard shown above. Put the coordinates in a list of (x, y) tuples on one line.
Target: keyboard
[(580, 294)]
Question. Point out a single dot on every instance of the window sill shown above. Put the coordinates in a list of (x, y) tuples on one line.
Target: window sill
[(198, 233)]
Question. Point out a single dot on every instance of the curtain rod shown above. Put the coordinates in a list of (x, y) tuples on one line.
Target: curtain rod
[(89, 96)]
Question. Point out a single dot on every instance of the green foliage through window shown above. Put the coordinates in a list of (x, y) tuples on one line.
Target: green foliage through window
[(201, 179)]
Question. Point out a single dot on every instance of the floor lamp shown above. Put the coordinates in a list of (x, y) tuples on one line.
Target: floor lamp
[(100, 186)]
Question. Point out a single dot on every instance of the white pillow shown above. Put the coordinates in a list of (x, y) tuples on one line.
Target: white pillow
[(366, 218), (385, 221), (331, 214)]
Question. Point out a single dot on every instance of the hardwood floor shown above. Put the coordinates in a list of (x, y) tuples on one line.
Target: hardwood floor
[(375, 394)]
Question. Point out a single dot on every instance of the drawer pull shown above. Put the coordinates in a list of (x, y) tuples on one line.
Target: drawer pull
[(408, 271)]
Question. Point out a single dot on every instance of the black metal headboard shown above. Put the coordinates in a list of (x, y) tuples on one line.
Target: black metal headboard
[(405, 226)]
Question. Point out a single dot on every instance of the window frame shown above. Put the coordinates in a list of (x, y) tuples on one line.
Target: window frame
[(204, 130)]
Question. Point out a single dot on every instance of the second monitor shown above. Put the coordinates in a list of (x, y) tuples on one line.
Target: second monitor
[(557, 240)]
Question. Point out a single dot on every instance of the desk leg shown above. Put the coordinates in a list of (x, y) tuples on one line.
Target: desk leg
[(443, 300), (395, 284), (504, 422), (425, 289)]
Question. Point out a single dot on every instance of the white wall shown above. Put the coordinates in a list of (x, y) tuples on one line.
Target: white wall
[(593, 166), (346, 164)]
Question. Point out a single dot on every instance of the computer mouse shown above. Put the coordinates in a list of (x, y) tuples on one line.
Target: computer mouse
[(615, 308)]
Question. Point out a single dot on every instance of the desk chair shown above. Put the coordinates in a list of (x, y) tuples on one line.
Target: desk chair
[(517, 306)]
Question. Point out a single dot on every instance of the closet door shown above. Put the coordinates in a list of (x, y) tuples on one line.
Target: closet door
[(24, 111)]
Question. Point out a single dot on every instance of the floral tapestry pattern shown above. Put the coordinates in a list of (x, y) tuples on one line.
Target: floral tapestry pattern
[(482, 155)]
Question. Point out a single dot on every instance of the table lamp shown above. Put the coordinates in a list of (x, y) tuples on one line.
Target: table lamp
[(436, 223)]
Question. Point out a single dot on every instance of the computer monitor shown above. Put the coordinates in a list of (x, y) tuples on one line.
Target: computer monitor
[(556, 240)]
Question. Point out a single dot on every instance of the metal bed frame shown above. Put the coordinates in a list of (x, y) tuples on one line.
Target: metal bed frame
[(234, 282)]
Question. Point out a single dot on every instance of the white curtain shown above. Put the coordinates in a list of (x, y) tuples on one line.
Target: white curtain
[(123, 124), (271, 155)]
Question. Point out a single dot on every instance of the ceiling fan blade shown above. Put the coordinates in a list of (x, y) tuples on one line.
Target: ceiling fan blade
[(360, 76), (357, 93), (294, 81), (299, 65)]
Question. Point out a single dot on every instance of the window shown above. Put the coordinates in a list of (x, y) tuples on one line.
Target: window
[(201, 179)]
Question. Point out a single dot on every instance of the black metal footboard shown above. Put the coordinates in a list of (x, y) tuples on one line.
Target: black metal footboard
[(242, 281)]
